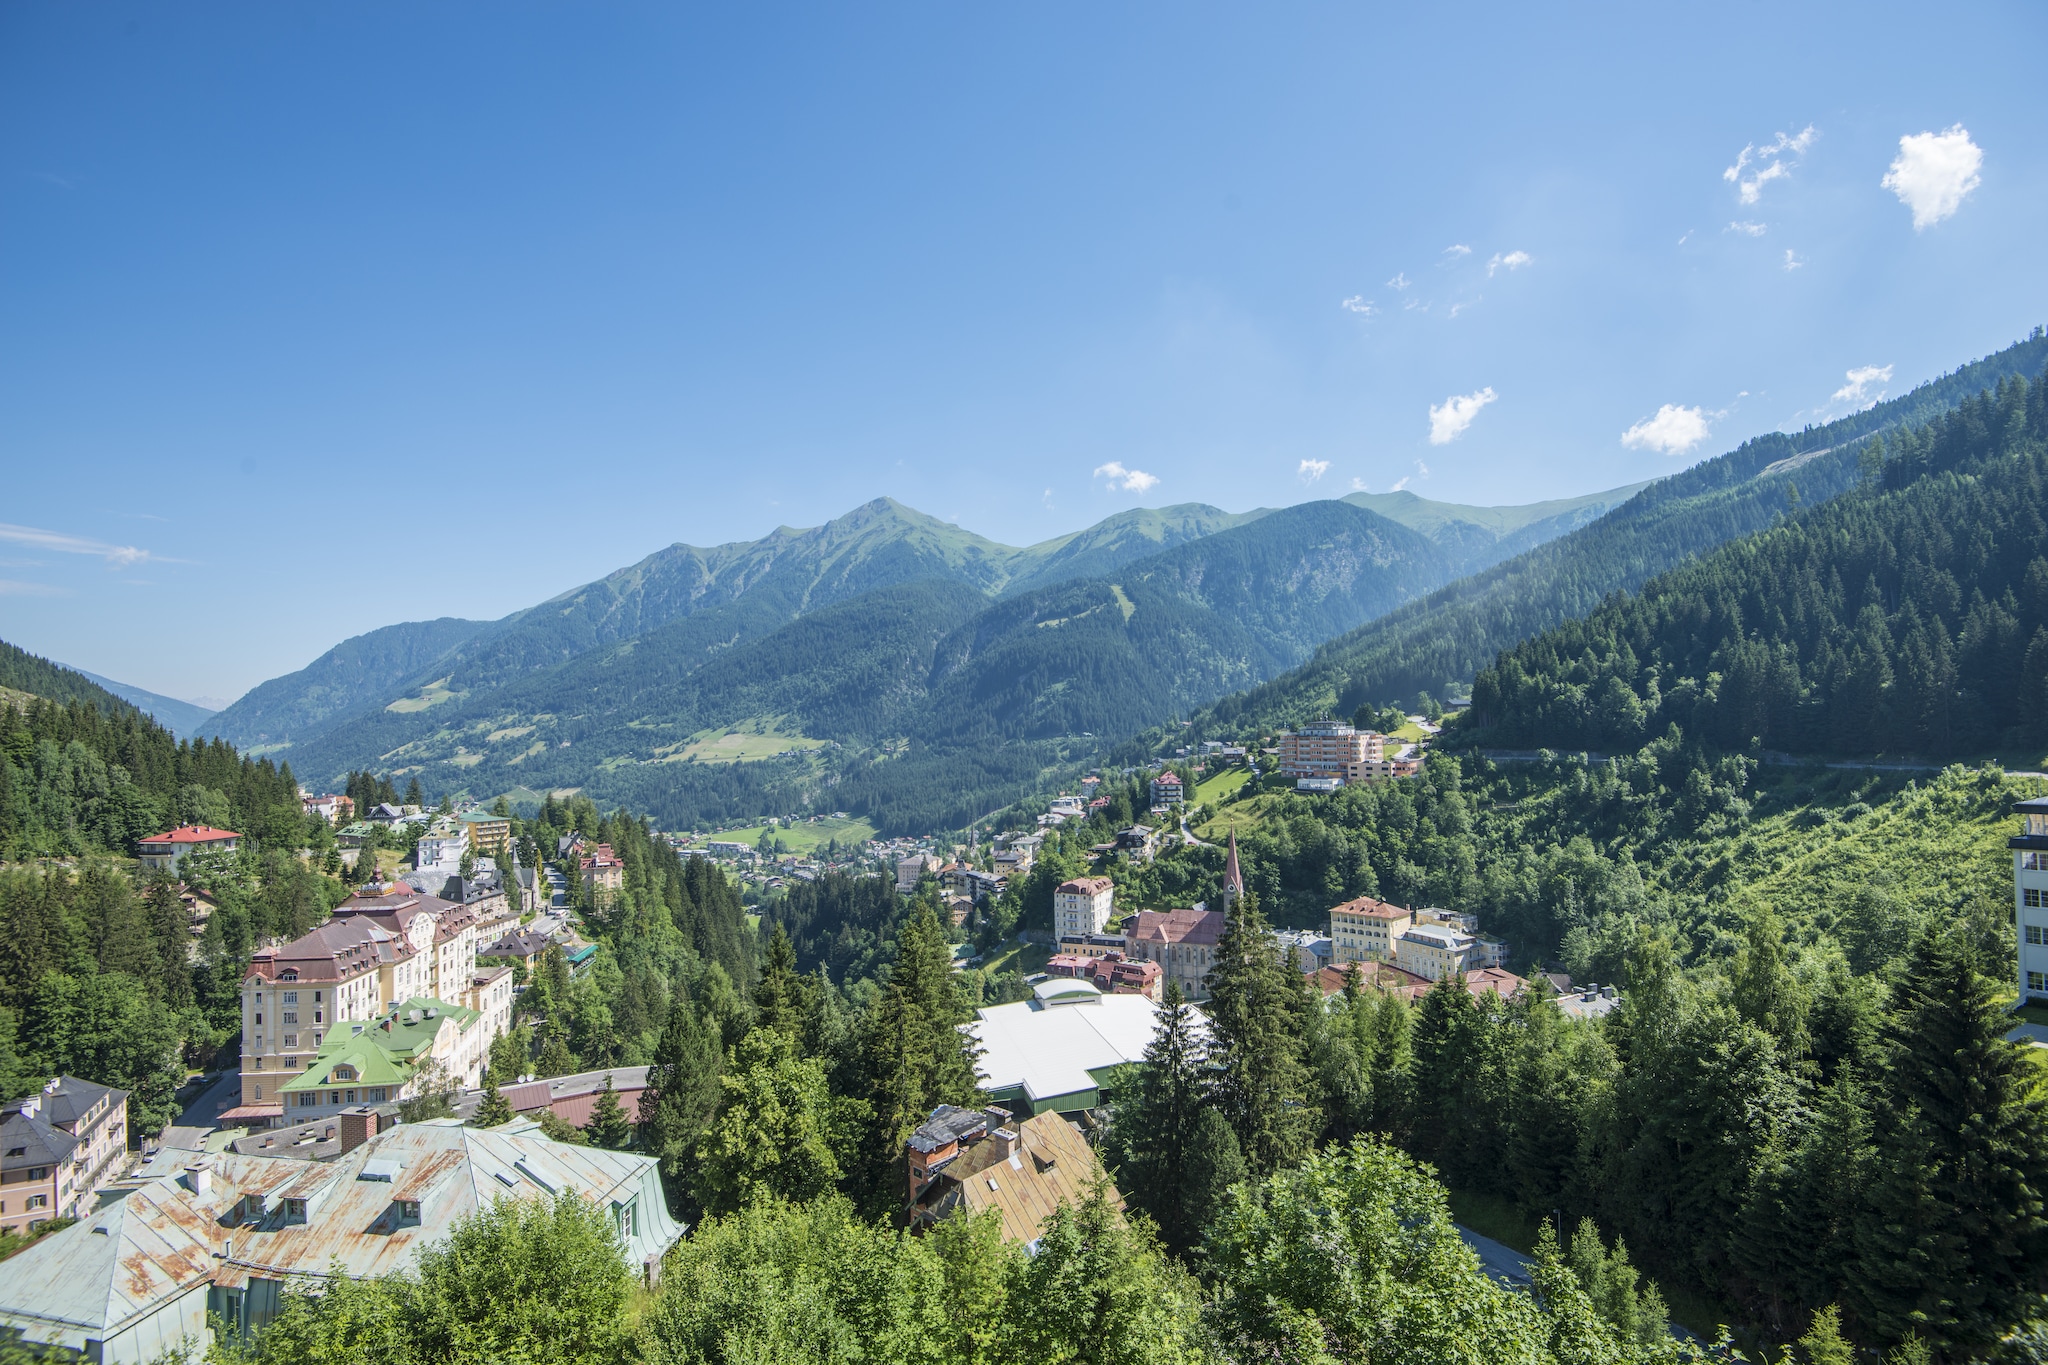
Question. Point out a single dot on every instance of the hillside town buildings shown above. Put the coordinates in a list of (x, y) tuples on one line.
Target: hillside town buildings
[(1331, 753), (223, 1235), (1082, 906), (1182, 942), (383, 948), (964, 1161), (58, 1148), (164, 851)]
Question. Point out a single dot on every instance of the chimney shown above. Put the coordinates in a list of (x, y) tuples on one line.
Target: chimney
[(1006, 1142), (358, 1126), (200, 1176)]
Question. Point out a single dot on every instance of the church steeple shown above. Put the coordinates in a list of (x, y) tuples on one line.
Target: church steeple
[(1233, 877)]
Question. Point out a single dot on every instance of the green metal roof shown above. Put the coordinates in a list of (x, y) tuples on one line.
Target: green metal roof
[(381, 1055), (475, 817)]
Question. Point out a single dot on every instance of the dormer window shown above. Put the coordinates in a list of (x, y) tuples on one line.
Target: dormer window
[(295, 1210), (344, 1072), (288, 974)]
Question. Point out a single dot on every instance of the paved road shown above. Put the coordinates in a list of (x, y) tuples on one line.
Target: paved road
[(224, 1093), (1499, 1259)]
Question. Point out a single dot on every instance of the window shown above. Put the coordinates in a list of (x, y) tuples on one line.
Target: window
[(2034, 934), (259, 1018), (409, 1209), (39, 1201), (2031, 898), (17, 1151), (258, 1093), (344, 1072), (291, 1040), (39, 1173), (2037, 981), (291, 997), (295, 1209)]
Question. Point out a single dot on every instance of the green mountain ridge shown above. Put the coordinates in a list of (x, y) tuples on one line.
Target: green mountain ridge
[(731, 593), (1909, 616), (1439, 642), (916, 684), (182, 718)]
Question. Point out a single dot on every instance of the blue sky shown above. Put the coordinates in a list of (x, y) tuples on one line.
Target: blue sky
[(317, 317)]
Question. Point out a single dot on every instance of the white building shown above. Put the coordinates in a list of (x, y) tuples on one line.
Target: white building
[(2030, 898), (1433, 951), (1082, 907)]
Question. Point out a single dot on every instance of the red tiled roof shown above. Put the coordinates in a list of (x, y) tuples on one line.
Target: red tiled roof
[(1372, 909), (1179, 926), (1086, 886), (192, 834)]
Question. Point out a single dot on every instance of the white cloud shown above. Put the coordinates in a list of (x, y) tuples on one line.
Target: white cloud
[(1746, 229), (1414, 304), (1398, 484), (1358, 485), (1688, 237), (1673, 431), (1458, 308), (1421, 469), (1048, 499), (1774, 161), (1934, 172), (1311, 470), (1513, 260), (1792, 262), (1861, 380), (1130, 480), (1400, 281), (117, 556), (1447, 422), (1359, 303), (1457, 249), (13, 587)]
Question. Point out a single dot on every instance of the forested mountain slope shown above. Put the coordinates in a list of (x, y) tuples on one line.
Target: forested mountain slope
[(1910, 616), (82, 771), (1445, 638), (181, 718)]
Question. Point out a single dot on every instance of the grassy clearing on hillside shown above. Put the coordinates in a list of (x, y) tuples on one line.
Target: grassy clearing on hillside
[(433, 694), (748, 742), (1243, 816), (1210, 790), (801, 838)]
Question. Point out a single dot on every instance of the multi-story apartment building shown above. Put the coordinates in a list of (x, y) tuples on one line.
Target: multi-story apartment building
[(488, 833), (1167, 790), (604, 876), (1364, 930), (1333, 750), (1082, 906), (2030, 898), (390, 945), (57, 1148), (163, 851), (1182, 942), (1432, 951)]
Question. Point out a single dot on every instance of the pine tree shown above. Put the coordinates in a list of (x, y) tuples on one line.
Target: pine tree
[(779, 996), (555, 1058), (413, 795), (1763, 987), (1442, 1024), (913, 1055), (169, 926), (1151, 1144), (1953, 1231), (682, 1093), (1823, 1341), (609, 1127), (1260, 1085), (495, 1109)]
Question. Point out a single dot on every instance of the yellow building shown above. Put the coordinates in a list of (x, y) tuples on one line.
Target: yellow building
[(1364, 930), (488, 833)]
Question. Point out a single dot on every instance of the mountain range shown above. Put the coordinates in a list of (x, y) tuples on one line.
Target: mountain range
[(882, 632)]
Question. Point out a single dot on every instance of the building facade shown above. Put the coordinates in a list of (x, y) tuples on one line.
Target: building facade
[(1082, 906), (163, 851), (487, 833), (58, 1147), (1182, 942), (604, 876), (2030, 898), (1364, 930), (1331, 749), (382, 947), (1167, 790)]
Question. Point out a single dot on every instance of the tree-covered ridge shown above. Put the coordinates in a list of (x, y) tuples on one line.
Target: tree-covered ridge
[(942, 703), (1443, 639), (1910, 617), (90, 775), (21, 671)]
